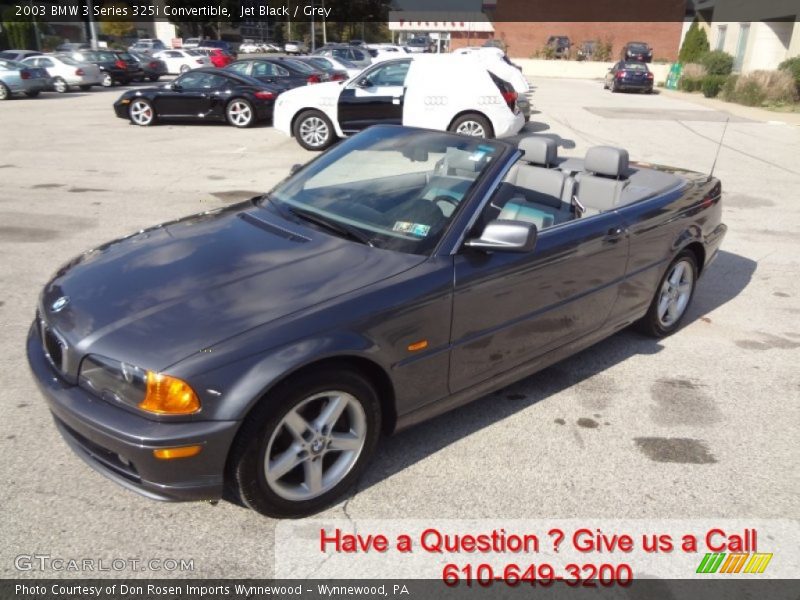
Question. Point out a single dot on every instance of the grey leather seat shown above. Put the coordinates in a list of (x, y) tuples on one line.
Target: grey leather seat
[(600, 186)]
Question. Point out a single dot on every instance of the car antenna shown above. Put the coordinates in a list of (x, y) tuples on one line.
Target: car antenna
[(719, 147)]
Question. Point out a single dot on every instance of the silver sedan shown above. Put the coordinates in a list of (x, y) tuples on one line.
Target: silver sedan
[(19, 78), (67, 73)]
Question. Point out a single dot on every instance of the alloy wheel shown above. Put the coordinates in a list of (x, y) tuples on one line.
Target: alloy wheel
[(471, 128), (60, 86), (141, 112), (240, 113), (315, 445), (107, 80), (3, 92), (314, 131), (676, 291)]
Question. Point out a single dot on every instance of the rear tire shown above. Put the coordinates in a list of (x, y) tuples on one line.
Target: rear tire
[(60, 85), (472, 125), (142, 113), (672, 298), (314, 131), (289, 426), (5, 93), (107, 80), (240, 113), (185, 68)]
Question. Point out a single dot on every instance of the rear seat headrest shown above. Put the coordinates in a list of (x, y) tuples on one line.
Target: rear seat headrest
[(460, 160), (606, 160), (538, 150)]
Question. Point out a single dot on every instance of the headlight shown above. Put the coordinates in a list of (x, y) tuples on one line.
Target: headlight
[(146, 390)]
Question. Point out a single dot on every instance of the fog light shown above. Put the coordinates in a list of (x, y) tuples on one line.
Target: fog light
[(181, 452)]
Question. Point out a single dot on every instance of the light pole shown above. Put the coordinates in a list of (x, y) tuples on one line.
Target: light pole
[(92, 26)]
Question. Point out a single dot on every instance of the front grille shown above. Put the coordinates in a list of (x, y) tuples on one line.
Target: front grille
[(55, 348)]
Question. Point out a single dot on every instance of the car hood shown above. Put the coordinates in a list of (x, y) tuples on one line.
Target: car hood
[(163, 294)]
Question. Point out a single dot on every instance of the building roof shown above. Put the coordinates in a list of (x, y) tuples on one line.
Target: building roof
[(471, 21)]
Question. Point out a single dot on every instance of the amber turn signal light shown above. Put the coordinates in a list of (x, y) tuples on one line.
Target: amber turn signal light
[(169, 396), (182, 452)]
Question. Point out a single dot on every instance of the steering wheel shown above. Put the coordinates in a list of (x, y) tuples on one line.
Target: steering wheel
[(447, 200)]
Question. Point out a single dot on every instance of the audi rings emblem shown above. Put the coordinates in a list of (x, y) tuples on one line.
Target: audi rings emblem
[(435, 100)]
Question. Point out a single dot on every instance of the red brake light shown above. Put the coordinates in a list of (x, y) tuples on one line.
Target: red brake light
[(153, 65), (620, 74), (510, 97), (121, 64), (649, 75), (264, 95), (313, 78), (25, 74), (80, 72)]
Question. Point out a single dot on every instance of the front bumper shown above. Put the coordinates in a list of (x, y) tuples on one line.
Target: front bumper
[(119, 444)]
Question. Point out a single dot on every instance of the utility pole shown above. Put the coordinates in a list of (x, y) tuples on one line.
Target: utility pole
[(92, 26), (324, 25), (313, 32)]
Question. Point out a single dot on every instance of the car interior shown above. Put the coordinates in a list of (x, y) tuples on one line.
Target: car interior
[(545, 190)]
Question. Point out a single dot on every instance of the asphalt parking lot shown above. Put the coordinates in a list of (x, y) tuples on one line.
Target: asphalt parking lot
[(700, 425)]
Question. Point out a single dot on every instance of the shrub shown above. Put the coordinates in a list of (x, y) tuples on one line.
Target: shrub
[(792, 65), (695, 44), (692, 77), (712, 84), (694, 71), (749, 92), (778, 86), (728, 92), (717, 62), (603, 50)]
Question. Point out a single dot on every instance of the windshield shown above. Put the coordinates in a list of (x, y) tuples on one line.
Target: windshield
[(398, 188), (634, 66), (298, 65), (637, 47)]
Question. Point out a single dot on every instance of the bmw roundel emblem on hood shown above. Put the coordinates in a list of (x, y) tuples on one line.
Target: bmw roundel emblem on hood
[(59, 304)]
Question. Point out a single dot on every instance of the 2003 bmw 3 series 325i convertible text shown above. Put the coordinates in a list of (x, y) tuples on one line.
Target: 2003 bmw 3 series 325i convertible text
[(264, 347)]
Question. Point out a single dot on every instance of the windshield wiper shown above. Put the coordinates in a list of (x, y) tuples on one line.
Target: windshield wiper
[(342, 229)]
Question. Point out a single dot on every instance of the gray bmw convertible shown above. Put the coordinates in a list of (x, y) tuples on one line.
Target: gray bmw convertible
[(265, 347)]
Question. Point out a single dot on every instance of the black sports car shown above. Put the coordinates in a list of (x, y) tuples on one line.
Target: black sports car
[(207, 94), (285, 73)]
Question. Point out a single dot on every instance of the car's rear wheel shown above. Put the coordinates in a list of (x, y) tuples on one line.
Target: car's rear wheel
[(240, 113), (142, 112), (60, 85), (473, 125), (185, 68), (306, 443), (672, 298), (107, 80), (614, 88), (5, 93), (314, 131)]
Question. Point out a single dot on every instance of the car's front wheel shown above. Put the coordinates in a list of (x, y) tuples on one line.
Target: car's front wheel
[(107, 80), (142, 112), (672, 298), (473, 125), (306, 443), (240, 113), (314, 131)]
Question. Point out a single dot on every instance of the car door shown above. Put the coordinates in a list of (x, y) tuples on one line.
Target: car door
[(274, 74), (509, 308), (375, 96), (189, 96)]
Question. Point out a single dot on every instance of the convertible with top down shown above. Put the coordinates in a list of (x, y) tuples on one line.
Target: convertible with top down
[(264, 347)]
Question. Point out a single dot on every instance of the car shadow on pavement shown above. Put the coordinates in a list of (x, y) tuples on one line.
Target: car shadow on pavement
[(725, 279)]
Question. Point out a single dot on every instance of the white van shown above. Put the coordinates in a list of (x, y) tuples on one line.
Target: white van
[(445, 92)]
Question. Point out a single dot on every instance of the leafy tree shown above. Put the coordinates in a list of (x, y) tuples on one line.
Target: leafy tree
[(113, 26), (695, 45), (18, 32)]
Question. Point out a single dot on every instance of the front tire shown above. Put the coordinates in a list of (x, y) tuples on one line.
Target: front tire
[(306, 443), (672, 298), (142, 113), (473, 125), (314, 131), (107, 80), (240, 113)]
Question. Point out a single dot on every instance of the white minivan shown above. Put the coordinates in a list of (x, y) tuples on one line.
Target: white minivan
[(444, 92)]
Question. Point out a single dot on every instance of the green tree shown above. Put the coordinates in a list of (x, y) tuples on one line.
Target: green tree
[(114, 26), (19, 33), (695, 44)]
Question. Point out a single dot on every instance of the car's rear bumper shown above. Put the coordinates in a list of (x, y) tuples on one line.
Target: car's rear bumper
[(634, 85), (37, 84), (508, 125), (120, 444)]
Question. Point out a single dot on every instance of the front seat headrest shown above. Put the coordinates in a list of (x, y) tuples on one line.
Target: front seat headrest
[(538, 150), (606, 160), (460, 160)]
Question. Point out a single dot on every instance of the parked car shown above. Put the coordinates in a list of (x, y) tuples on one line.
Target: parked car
[(629, 75), (116, 67), (218, 57), (587, 49), (181, 61), (444, 92), (386, 51), (73, 47), (226, 47), (19, 55), (496, 62), (204, 94), (295, 47), (147, 46), (637, 51), (192, 42), (265, 347), (560, 45), (250, 47), (322, 64), (357, 56), (331, 64), (66, 73), (419, 44), (152, 68), (283, 72), (20, 78)]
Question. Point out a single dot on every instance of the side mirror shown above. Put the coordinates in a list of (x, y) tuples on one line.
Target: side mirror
[(295, 168), (176, 86), (364, 82), (506, 236)]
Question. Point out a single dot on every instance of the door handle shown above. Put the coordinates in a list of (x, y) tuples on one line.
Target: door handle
[(615, 233)]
